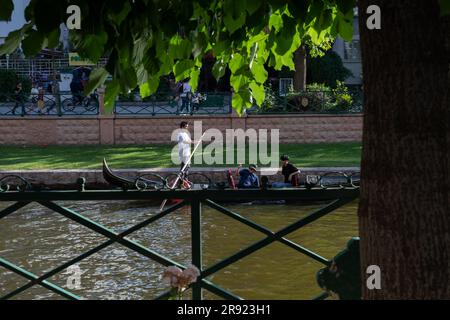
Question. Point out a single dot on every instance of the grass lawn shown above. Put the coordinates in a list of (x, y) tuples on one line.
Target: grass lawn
[(150, 156)]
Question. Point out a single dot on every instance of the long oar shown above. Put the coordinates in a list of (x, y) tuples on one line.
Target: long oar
[(182, 171)]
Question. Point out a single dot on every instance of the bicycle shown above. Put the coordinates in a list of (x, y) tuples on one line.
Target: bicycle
[(47, 106), (90, 103), (187, 182)]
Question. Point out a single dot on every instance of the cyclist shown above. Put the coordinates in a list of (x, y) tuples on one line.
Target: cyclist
[(79, 80)]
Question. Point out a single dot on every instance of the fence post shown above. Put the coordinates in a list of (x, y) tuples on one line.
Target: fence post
[(101, 100), (57, 96), (106, 120), (196, 240)]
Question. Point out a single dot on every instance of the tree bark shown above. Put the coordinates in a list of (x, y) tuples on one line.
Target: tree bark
[(300, 69), (404, 212)]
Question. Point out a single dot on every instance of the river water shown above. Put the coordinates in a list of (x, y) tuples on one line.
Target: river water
[(38, 239)]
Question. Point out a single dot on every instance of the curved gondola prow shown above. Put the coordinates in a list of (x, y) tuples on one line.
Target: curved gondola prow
[(116, 180)]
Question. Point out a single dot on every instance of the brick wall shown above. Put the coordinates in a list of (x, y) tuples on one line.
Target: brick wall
[(49, 131), (137, 130)]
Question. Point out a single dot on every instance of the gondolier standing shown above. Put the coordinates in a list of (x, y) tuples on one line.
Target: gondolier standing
[(184, 146)]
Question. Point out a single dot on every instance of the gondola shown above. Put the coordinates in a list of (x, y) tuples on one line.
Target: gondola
[(146, 181), (116, 180), (156, 182)]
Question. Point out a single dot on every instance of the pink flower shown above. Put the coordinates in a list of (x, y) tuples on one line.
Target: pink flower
[(171, 275), (180, 279), (191, 273)]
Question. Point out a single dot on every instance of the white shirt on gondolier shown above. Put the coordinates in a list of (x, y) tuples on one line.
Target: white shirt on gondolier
[(184, 145)]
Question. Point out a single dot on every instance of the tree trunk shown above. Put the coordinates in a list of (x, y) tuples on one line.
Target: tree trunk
[(404, 212), (300, 69)]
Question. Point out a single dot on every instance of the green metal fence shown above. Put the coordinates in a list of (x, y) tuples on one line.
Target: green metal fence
[(312, 102), (338, 196), (170, 103), (48, 104)]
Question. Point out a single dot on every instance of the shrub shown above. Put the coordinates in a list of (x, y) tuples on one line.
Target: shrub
[(8, 82), (343, 98), (270, 100), (317, 97)]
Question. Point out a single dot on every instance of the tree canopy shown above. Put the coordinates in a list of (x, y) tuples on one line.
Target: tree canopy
[(147, 39)]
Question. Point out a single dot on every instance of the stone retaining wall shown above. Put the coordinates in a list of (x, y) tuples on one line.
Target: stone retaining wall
[(94, 178), (111, 130)]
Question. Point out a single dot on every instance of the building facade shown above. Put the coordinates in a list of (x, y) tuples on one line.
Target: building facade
[(350, 53)]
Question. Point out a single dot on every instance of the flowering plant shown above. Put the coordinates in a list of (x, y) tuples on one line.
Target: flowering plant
[(179, 279)]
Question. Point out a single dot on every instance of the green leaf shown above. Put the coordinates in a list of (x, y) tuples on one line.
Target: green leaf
[(275, 22), (53, 38), (345, 6), (200, 43), (445, 7), (231, 24), (315, 9), (12, 42), (182, 69), (33, 43), (127, 78), (259, 72), (194, 75), (237, 61), (139, 49), (150, 87), (93, 45), (233, 16), (142, 75), (96, 79), (238, 103), (237, 81), (219, 69), (326, 19), (252, 5), (112, 91), (221, 47), (345, 29), (179, 48), (259, 39), (241, 100), (7, 8), (288, 39), (287, 61), (299, 9), (120, 13), (258, 92), (278, 62)]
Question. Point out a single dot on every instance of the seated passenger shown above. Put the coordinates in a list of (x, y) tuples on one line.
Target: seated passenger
[(290, 173), (248, 177)]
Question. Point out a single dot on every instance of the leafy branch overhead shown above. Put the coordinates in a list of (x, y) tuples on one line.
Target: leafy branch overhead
[(147, 39)]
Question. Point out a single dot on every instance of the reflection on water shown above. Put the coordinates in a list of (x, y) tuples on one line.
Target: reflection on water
[(38, 239)]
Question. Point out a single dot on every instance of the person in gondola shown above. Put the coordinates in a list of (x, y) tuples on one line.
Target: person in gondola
[(290, 173), (247, 177)]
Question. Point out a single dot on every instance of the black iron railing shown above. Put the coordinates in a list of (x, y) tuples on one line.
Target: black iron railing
[(48, 104), (336, 197), (169, 103)]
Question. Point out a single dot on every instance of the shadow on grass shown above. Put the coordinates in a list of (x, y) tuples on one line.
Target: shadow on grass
[(150, 156)]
